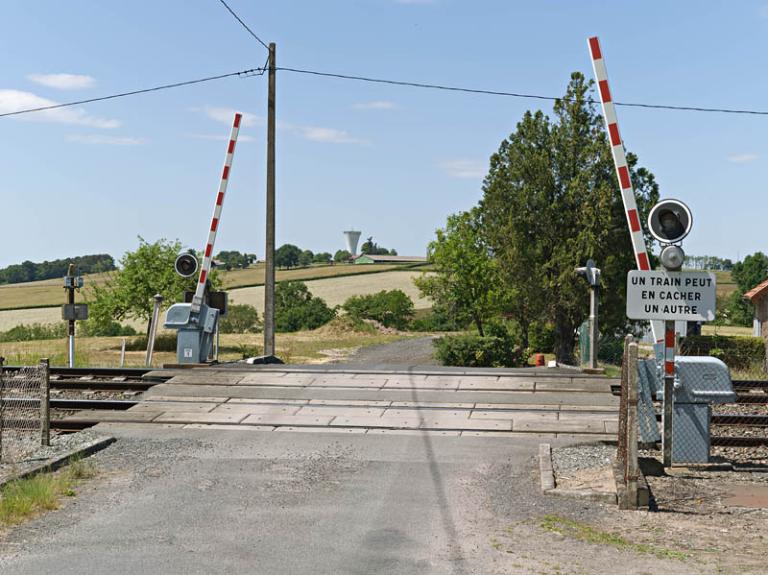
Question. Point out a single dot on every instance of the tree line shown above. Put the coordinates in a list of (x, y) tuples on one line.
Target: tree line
[(28, 271)]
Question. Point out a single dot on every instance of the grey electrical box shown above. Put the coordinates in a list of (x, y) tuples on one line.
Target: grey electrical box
[(73, 281), (74, 311), (194, 341), (700, 382)]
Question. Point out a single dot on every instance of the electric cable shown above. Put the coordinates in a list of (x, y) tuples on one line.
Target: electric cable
[(242, 73)]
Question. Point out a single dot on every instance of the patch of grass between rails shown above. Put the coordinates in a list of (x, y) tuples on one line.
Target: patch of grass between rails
[(23, 499), (589, 534)]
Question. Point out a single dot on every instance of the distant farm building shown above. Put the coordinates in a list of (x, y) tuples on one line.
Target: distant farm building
[(372, 259)]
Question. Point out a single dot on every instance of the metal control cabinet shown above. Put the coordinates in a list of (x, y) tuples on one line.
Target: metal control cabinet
[(699, 383), (194, 341)]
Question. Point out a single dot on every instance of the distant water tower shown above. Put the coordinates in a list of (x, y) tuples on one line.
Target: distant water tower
[(352, 239)]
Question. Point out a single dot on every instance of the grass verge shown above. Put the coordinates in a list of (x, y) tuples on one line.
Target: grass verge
[(23, 499), (589, 534)]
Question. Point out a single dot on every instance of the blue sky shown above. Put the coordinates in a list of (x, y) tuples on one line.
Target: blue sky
[(390, 161)]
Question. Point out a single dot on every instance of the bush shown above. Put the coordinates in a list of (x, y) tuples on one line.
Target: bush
[(34, 331), (163, 342), (498, 349), (738, 352), (390, 308), (240, 318), (108, 328), (297, 309), (437, 319), (541, 337)]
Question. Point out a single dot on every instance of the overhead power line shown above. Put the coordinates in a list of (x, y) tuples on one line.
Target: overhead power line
[(517, 95), (243, 24), (242, 73)]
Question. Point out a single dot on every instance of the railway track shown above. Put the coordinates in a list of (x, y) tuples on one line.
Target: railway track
[(102, 379)]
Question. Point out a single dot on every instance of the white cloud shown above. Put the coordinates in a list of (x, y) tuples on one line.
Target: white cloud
[(226, 115), (221, 137), (375, 105), (63, 81), (16, 100), (102, 140), (742, 158), (329, 136), (464, 168)]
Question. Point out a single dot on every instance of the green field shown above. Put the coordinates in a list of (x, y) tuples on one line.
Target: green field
[(48, 293)]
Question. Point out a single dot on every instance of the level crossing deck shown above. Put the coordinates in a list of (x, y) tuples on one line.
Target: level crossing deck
[(440, 401)]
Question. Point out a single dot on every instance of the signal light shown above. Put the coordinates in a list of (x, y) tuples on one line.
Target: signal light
[(185, 264), (670, 221)]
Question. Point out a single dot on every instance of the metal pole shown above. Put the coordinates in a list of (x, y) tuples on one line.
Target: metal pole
[(45, 403), (269, 258), (122, 354), (593, 328), (216, 355), (669, 390), (71, 327), (2, 405), (631, 471), (153, 329)]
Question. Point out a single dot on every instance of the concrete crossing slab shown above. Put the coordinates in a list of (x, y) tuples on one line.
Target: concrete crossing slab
[(343, 400)]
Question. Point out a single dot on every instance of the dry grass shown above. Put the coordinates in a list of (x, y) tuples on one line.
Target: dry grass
[(51, 292), (335, 291), (725, 330), (725, 283), (317, 346)]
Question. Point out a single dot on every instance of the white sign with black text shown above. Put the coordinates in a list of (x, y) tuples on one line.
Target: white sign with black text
[(683, 296)]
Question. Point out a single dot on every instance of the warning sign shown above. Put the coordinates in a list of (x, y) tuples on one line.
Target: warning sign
[(685, 296)]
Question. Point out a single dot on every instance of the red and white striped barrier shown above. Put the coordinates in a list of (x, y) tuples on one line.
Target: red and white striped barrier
[(208, 254), (619, 158), (620, 161)]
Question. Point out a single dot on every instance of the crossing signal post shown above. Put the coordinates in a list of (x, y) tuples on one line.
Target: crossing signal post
[(670, 295), (72, 312)]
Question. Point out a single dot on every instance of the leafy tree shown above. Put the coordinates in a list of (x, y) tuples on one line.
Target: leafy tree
[(296, 309), (129, 291), (287, 256), (234, 259), (747, 274), (390, 308), (322, 258), (342, 256), (240, 318), (30, 271), (372, 248), (306, 257), (750, 272), (467, 281), (550, 202)]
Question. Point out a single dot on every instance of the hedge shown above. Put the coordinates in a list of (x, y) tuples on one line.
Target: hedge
[(738, 352)]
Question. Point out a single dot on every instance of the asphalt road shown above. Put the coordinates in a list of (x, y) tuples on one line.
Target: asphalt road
[(207, 502)]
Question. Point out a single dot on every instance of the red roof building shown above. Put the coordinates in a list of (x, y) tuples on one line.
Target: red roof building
[(758, 296)]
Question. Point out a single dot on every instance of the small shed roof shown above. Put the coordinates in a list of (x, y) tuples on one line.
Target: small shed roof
[(757, 292)]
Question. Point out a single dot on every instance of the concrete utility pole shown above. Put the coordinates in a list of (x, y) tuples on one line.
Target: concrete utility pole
[(269, 258)]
